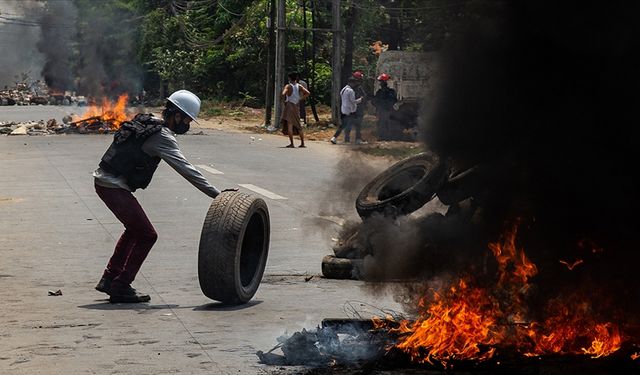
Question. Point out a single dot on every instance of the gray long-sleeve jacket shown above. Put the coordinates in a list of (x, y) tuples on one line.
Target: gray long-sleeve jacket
[(164, 145)]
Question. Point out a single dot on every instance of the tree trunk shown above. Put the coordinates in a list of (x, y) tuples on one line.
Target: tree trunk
[(392, 33), (347, 66)]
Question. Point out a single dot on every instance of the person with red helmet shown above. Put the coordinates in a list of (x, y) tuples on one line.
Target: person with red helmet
[(384, 100)]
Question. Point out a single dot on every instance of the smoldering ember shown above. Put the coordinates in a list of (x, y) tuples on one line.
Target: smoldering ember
[(386, 187)]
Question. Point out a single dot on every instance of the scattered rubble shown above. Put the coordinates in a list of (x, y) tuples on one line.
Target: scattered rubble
[(51, 127), (37, 93)]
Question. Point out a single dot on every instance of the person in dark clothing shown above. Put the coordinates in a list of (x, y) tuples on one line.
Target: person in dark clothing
[(384, 100), (128, 164)]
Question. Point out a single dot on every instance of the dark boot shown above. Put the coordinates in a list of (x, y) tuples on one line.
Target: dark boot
[(104, 285), (126, 294)]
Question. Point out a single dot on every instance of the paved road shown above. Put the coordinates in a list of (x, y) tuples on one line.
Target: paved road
[(37, 112), (56, 234)]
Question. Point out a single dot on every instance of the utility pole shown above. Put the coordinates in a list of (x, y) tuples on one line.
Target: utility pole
[(270, 55), (280, 46), (336, 62)]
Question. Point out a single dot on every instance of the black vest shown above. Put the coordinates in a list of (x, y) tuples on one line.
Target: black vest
[(125, 156)]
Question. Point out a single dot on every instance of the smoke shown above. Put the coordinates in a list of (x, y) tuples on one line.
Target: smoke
[(58, 35), (541, 96), (89, 48), (107, 45), (19, 59), (353, 171)]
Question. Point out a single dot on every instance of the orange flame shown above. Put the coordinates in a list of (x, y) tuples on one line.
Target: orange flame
[(112, 113), (454, 326), (514, 266), (569, 328), (468, 323)]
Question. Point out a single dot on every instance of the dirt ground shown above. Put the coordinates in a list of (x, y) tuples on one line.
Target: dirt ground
[(251, 120)]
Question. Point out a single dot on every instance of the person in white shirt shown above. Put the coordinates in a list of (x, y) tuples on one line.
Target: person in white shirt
[(348, 108), (292, 94)]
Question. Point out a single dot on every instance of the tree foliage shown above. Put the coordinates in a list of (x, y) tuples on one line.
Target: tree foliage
[(219, 48)]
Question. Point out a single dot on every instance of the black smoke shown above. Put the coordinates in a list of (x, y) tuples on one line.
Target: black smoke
[(544, 96), (90, 47), (107, 64), (58, 34), (541, 99)]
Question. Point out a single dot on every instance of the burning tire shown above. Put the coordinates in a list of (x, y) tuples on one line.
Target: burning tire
[(402, 188), (340, 268), (233, 247)]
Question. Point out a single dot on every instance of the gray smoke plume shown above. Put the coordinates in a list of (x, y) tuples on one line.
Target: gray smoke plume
[(90, 48), (106, 65), (18, 38), (58, 33)]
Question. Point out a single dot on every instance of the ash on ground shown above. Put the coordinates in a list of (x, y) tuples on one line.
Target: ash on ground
[(334, 342)]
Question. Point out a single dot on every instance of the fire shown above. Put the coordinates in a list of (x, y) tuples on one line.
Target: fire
[(109, 113), (570, 329), (457, 325), (467, 322), (513, 263)]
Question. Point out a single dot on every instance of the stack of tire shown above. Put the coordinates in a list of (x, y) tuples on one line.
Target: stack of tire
[(400, 190)]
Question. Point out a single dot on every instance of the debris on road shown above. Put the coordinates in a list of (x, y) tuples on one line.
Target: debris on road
[(56, 293), (336, 341)]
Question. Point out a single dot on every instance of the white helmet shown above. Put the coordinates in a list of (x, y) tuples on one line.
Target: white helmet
[(187, 101)]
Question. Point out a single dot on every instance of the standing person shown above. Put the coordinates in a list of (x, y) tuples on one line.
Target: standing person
[(303, 103), (128, 164), (348, 107), (358, 117), (384, 100), (292, 93)]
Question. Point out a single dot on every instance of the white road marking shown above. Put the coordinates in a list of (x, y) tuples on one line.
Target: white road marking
[(209, 169), (262, 191)]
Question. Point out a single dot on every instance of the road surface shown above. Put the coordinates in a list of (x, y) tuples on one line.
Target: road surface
[(55, 233)]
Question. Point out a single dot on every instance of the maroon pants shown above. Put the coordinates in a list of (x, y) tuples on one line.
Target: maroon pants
[(137, 239)]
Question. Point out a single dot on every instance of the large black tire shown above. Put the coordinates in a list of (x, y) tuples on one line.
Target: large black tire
[(402, 188), (234, 245)]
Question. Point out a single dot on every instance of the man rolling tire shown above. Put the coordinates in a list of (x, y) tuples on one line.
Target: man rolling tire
[(129, 164)]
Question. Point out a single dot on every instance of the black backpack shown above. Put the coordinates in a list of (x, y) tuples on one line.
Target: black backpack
[(125, 157)]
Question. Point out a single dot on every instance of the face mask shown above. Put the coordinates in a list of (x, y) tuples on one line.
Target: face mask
[(181, 128)]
